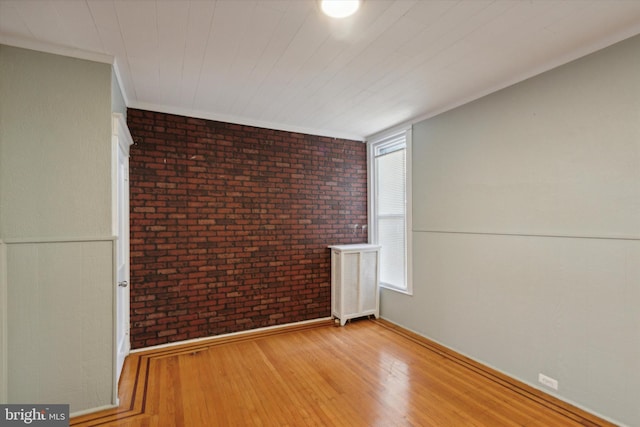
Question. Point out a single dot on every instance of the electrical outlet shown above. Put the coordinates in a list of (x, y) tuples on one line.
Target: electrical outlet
[(548, 381)]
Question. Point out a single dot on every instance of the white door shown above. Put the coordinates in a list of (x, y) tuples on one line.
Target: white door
[(121, 142)]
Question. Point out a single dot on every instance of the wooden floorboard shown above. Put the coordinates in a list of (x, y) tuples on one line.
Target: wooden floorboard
[(367, 373)]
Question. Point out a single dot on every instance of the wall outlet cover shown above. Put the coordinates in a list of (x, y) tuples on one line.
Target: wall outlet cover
[(548, 381)]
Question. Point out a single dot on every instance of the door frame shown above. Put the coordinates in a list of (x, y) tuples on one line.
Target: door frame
[(120, 140)]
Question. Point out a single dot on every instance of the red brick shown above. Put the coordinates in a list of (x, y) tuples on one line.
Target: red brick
[(230, 224)]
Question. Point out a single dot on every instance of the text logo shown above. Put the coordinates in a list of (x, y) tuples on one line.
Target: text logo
[(34, 415)]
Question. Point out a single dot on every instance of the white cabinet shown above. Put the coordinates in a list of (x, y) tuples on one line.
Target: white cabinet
[(354, 281)]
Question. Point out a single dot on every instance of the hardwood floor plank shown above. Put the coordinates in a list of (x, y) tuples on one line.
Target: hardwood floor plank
[(368, 373)]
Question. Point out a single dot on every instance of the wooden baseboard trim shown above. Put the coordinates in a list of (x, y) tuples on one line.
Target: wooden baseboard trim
[(570, 411)]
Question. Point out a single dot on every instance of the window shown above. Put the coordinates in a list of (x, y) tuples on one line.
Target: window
[(390, 208)]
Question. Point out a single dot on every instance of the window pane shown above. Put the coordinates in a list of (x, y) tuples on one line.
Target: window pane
[(391, 183), (391, 210), (392, 255)]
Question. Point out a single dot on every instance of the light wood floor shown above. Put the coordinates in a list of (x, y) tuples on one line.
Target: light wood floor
[(368, 373)]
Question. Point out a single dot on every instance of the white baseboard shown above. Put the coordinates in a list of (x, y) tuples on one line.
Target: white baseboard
[(232, 334), (91, 410)]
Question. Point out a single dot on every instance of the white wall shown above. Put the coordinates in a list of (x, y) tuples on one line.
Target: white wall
[(56, 114), (118, 104), (59, 323), (526, 231), (55, 193), (3, 322)]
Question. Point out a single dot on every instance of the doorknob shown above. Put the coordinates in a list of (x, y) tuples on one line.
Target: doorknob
[(123, 284)]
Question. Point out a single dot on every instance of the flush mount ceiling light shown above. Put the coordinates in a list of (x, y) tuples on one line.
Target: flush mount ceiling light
[(339, 8)]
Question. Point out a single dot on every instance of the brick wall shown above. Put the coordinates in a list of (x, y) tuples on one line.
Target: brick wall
[(230, 224)]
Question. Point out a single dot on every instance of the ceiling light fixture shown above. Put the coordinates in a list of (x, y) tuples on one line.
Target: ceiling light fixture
[(339, 8)]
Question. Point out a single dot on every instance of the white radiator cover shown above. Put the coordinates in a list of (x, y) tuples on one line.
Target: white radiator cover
[(355, 277)]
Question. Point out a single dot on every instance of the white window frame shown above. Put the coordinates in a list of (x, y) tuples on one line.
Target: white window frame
[(372, 145)]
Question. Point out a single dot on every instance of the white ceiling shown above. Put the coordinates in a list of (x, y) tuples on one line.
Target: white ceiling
[(282, 64)]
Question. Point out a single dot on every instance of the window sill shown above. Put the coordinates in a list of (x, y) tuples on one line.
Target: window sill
[(400, 291)]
